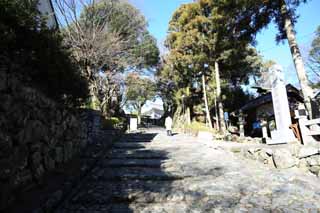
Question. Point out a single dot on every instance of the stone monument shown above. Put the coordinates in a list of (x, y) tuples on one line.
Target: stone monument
[(282, 134)]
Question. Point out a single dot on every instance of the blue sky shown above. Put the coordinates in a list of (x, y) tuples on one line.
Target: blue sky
[(158, 14)]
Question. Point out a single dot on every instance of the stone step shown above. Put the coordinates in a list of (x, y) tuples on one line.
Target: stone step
[(117, 163), (150, 208), (138, 154), (139, 173), (124, 145), (138, 138), (128, 208), (135, 192)]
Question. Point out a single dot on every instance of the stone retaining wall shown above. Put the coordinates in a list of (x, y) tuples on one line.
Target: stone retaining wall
[(287, 156), (36, 135)]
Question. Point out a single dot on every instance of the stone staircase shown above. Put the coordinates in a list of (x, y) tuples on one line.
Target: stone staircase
[(132, 178), (152, 173)]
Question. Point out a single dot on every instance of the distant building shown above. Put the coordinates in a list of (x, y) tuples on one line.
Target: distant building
[(154, 113), (47, 9)]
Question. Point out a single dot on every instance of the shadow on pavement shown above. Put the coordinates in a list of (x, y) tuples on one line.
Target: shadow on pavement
[(130, 179)]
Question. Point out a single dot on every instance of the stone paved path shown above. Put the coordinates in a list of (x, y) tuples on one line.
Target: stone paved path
[(154, 173)]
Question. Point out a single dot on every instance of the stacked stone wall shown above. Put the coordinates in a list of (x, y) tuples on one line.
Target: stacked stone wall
[(36, 136), (306, 158)]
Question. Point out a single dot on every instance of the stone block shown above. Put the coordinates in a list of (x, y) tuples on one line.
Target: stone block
[(303, 164), (54, 199), (59, 154), (307, 151), (22, 178), (3, 81), (295, 149), (34, 131), (67, 151), (249, 155), (315, 170), (283, 159), (7, 169), (6, 197), (313, 160), (36, 147), (36, 159), (38, 172), (20, 157), (52, 142), (253, 150), (234, 138), (69, 135), (5, 145), (204, 136), (6, 102), (263, 157), (58, 117), (49, 162), (59, 132), (269, 152)]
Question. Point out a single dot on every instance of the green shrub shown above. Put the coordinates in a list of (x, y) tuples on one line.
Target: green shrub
[(195, 127), (37, 54), (114, 123)]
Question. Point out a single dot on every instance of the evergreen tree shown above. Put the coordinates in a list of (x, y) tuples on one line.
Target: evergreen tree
[(200, 34), (37, 54)]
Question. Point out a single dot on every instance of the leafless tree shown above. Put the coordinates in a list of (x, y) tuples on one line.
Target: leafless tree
[(88, 27)]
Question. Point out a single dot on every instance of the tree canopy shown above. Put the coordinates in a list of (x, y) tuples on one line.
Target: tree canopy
[(38, 54), (138, 91), (314, 55), (107, 38), (201, 35)]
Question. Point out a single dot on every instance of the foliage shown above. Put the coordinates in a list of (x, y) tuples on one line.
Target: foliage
[(252, 15), (114, 123), (200, 34), (234, 98), (30, 49), (138, 91), (107, 38), (196, 127)]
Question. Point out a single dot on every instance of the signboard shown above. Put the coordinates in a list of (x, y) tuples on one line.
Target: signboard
[(133, 124)]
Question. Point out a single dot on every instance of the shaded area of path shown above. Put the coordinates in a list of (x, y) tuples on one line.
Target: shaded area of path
[(151, 172)]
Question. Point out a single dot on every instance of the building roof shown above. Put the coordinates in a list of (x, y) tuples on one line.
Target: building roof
[(316, 94), (155, 110), (291, 91)]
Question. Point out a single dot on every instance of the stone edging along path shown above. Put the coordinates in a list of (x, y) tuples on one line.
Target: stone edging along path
[(60, 183)]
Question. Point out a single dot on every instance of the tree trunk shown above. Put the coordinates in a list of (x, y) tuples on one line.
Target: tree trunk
[(297, 58), (93, 100), (187, 113), (208, 117), (216, 112), (139, 115), (219, 101)]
